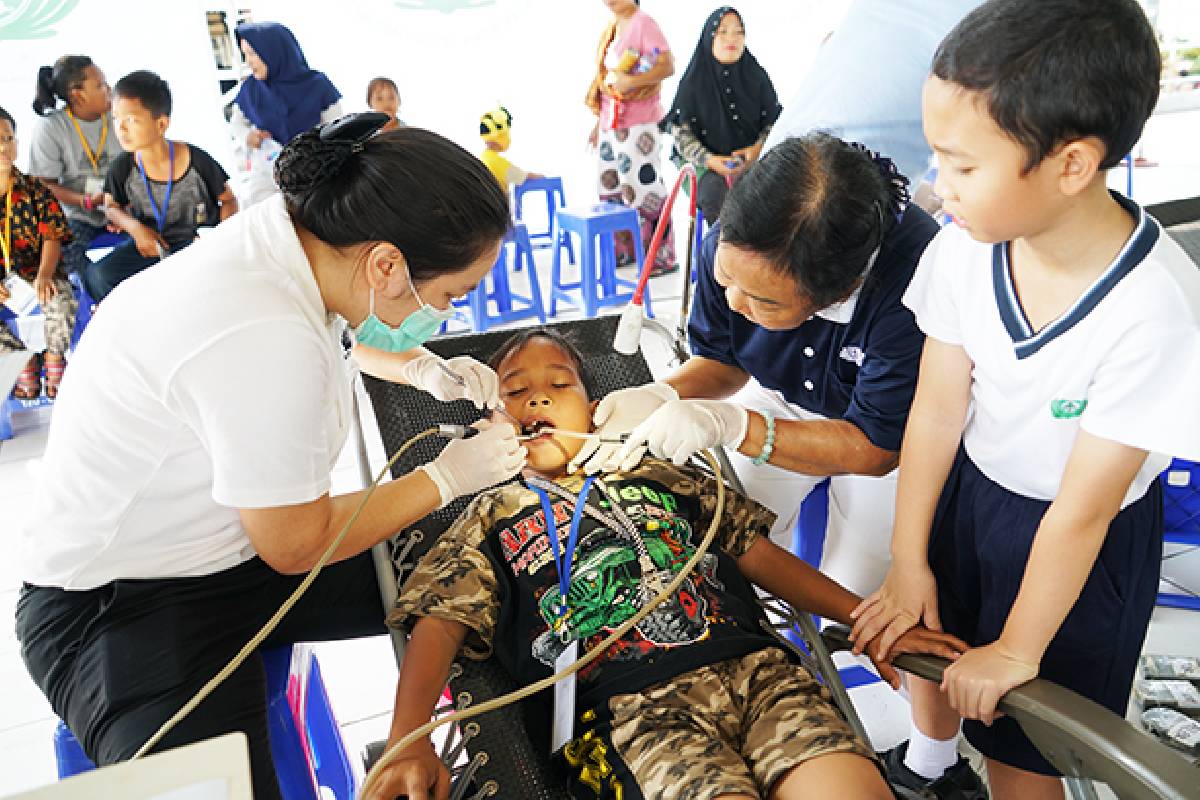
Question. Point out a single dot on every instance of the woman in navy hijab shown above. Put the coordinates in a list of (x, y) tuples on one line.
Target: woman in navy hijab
[(282, 97), (723, 110)]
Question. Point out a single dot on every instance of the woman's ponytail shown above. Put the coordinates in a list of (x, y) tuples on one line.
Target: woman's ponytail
[(56, 82), (43, 97)]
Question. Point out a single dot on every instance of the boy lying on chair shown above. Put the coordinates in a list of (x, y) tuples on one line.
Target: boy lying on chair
[(698, 701)]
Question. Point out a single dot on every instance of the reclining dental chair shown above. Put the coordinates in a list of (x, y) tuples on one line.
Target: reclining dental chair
[(499, 755)]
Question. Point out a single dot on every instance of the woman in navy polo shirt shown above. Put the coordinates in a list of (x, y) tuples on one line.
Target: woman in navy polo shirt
[(798, 321)]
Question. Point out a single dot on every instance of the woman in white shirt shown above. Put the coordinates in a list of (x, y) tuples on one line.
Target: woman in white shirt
[(186, 479)]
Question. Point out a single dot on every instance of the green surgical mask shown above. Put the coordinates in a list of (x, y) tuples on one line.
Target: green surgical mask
[(416, 329)]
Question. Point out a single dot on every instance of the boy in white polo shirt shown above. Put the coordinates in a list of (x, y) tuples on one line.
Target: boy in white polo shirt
[(1063, 352)]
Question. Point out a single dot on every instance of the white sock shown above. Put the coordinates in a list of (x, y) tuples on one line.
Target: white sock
[(930, 758)]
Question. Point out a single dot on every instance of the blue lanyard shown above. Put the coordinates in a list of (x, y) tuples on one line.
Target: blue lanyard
[(160, 215), (563, 561)]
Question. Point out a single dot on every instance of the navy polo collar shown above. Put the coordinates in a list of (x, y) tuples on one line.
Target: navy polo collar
[(1025, 341)]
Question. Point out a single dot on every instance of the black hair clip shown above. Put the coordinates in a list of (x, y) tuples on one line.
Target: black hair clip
[(319, 153), (353, 129)]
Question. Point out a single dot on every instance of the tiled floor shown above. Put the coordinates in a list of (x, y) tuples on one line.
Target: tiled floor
[(360, 674)]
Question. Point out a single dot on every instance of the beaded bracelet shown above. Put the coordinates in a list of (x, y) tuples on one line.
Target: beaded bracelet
[(768, 443)]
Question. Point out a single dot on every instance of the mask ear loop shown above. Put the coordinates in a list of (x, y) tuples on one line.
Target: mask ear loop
[(412, 287)]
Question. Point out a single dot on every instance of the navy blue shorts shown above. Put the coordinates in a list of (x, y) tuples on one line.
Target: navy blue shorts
[(982, 535)]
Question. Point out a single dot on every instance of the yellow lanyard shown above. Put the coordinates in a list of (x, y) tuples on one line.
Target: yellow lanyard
[(7, 240), (93, 157)]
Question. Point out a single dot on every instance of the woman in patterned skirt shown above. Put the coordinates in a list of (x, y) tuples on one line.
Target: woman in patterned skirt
[(632, 61)]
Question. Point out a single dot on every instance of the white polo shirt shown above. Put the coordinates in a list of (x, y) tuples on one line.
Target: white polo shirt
[(1123, 363), (211, 382)]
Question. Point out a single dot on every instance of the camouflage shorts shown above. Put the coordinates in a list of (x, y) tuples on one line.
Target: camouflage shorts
[(735, 727)]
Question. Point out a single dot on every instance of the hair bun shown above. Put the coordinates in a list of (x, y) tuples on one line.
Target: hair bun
[(897, 183), (307, 161), (319, 153)]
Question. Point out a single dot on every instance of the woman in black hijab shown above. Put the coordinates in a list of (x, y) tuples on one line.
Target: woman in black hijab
[(724, 109)]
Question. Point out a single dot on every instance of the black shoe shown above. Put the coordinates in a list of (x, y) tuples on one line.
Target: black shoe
[(958, 783), (663, 269)]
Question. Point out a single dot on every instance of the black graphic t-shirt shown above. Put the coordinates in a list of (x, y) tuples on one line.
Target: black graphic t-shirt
[(493, 571)]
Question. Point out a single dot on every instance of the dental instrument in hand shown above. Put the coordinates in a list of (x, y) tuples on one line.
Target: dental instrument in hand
[(451, 374), (525, 437)]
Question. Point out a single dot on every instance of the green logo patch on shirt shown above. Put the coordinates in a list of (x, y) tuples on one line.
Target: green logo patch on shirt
[(1067, 409)]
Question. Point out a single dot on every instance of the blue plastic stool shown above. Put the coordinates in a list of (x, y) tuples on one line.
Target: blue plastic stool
[(306, 744), (555, 199), (598, 285), (496, 290), (68, 754), (11, 404), (306, 756), (107, 239)]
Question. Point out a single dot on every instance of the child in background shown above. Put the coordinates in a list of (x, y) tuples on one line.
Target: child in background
[(31, 244), (384, 97), (1061, 367), (495, 128), (698, 700), (158, 191), (73, 148)]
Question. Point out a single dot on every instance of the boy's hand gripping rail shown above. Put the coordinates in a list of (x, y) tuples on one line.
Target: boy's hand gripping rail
[(1082, 739)]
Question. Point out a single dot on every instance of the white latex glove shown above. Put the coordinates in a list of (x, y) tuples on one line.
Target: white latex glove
[(620, 412), (680, 428), (479, 382), (467, 466)]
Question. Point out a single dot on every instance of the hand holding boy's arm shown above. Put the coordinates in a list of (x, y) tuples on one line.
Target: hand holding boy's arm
[(806, 589), (914, 641), (907, 597), (931, 439), (1068, 540), (417, 771)]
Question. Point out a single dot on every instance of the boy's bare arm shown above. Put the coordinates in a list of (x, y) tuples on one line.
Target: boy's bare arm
[(931, 439), (807, 589), (418, 772), (431, 650), (793, 580), (1068, 540)]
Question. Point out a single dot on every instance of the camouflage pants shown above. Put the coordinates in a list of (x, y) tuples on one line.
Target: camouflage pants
[(734, 727), (60, 321)]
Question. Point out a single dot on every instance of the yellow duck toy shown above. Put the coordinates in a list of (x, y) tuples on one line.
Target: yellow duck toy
[(495, 128)]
